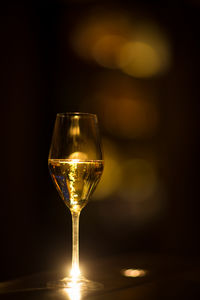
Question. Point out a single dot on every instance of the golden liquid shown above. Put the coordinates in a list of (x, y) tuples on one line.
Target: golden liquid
[(75, 180)]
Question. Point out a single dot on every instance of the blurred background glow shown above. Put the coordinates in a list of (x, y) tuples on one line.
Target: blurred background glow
[(148, 53), (139, 59), (112, 169), (107, 49), (100, 35), (117, 40), (140, 179), (133, 117), (134, 64), (135, 110)]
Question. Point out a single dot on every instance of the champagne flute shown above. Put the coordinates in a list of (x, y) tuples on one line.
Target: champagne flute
[(76, 165)]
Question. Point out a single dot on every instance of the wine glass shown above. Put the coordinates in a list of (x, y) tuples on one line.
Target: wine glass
[(76, 165)]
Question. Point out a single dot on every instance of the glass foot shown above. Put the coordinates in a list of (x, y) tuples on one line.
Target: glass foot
[(81, 284)]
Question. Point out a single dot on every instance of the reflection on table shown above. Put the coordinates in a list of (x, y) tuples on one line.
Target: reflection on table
[(130, 277)]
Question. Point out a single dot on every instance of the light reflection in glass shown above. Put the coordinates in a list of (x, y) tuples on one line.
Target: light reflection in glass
[(78, 156)]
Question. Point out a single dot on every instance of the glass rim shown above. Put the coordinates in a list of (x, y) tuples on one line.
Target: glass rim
[(68, 114)]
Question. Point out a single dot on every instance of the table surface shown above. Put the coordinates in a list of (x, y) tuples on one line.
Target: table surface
[(163, 278)]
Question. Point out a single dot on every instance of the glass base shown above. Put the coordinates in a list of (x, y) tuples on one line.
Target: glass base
[(81, 283)]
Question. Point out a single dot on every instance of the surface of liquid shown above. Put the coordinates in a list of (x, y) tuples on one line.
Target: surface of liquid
[(75, 180)]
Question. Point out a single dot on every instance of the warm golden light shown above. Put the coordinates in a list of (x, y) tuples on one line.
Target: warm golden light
[(100, 35), (75, 273), (105, 51), (114, 40), (75, 177), (75, 127), (134, 273), (78, 156), (139, 59), (147, 53), (134, 117), (74, 292)]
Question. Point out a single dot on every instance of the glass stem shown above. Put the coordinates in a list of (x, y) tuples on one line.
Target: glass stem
[(75, 243)]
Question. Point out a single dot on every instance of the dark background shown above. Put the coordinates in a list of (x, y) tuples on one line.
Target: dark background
[(42, 75)]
